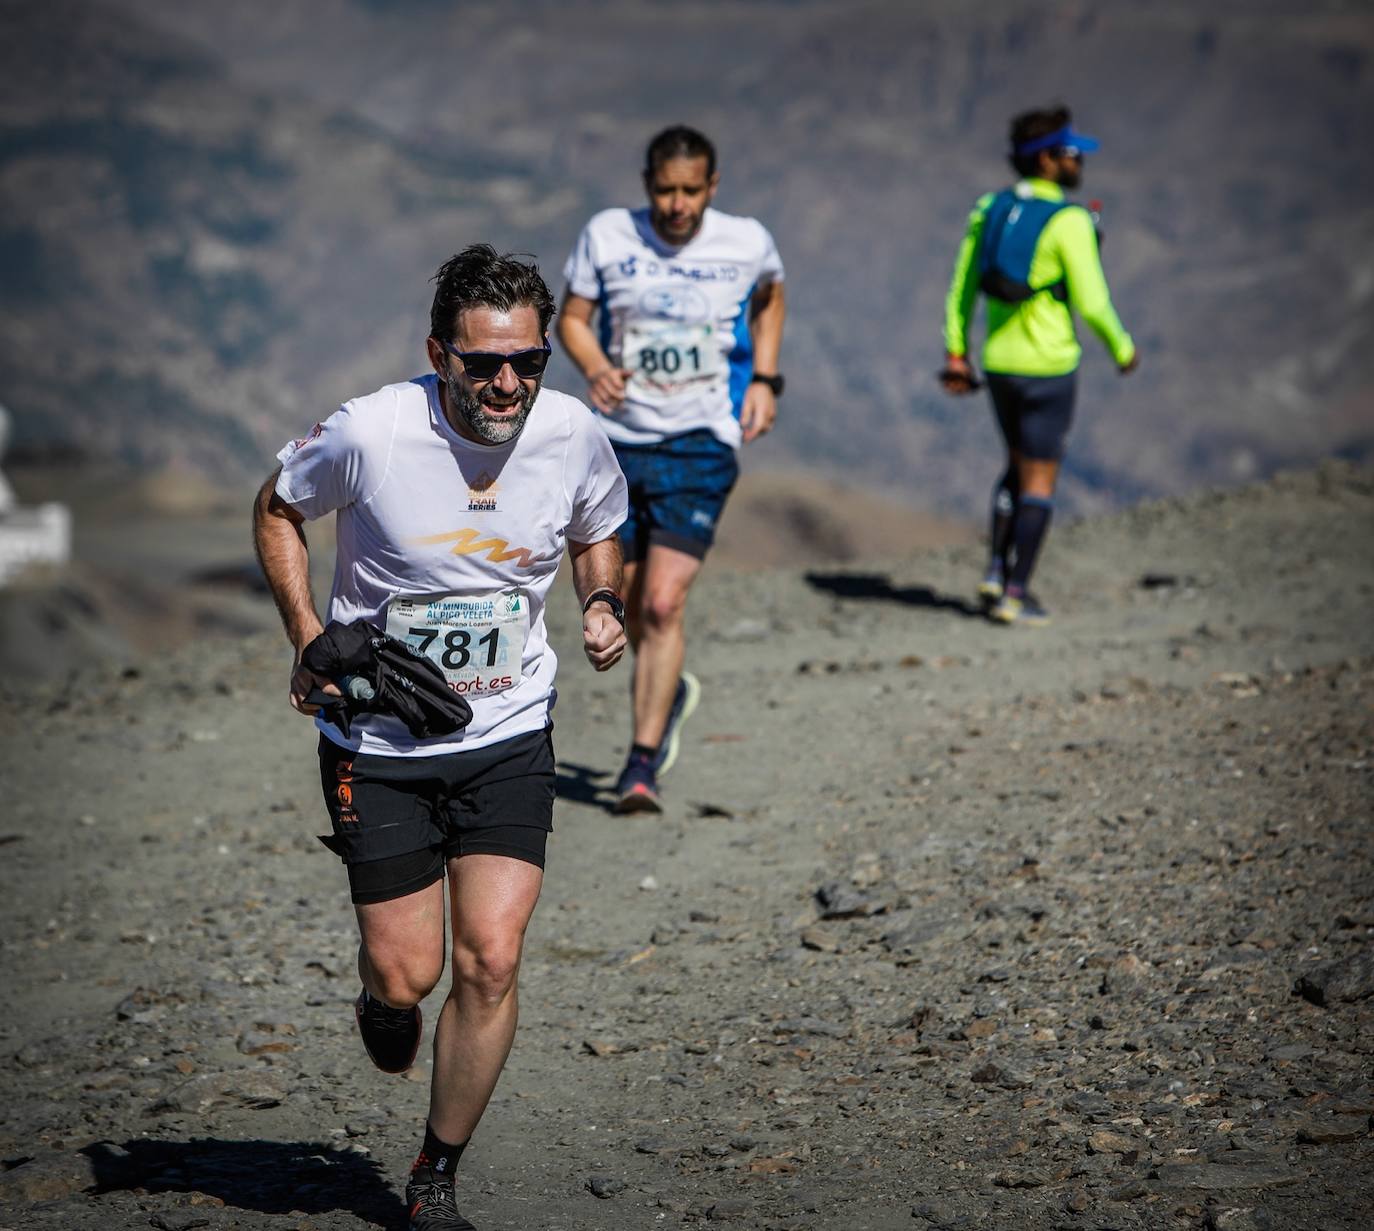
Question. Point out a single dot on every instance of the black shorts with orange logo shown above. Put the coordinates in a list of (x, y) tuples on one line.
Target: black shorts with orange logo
[(397, 820)]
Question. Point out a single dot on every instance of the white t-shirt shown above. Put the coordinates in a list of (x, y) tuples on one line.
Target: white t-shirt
[(452, 546), (678, 318)]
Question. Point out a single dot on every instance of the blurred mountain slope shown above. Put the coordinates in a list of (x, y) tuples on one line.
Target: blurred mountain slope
[(222, 219)]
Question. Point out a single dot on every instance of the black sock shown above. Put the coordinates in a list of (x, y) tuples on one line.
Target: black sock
[(437, 1160), (1003, 517), (642, 752), (1028, 533)]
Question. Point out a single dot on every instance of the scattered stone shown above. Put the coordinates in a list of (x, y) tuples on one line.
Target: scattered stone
[(652, 1145), (265, 1042), (705, 810), (820, 940), (177, 1221), (255, 1088), (1354, 1102), (840, 901), (728, 1210), (1106, 1142), (1328, 1130), (1348, 979), (1125, 974), (912, 933), (605, 1186), (649, 884), (811, 1025), (773, 1166), (1020, 1179), (1239, 1218), (1213, 1177), (1132, 1190), (1077, 1201), (991, 1074), (48, 1177), (1088, 1103)]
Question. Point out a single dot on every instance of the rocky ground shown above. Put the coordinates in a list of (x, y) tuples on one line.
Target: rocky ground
[(946, 925)]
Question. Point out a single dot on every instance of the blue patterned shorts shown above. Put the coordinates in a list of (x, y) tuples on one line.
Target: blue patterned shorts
[(678, 488)]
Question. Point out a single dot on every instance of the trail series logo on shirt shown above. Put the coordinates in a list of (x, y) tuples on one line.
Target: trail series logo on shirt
[(482, 494)]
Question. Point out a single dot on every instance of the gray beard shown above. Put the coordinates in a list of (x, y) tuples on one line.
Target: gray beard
[(470, 409)]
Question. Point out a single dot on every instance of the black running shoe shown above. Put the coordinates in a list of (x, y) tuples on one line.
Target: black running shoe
[(433, 1207), (636, 789), (391, 1036)]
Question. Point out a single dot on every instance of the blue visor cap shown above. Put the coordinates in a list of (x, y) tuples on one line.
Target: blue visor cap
[(1059, 139)]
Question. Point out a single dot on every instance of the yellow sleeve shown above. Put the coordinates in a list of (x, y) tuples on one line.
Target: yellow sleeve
[(963, 287), (1076, 240)]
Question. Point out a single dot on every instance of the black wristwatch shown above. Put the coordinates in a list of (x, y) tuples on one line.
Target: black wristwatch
[(775, 383), (611, 599)]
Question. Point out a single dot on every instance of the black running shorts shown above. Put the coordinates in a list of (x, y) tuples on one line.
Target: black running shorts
[(1034, 412), (397, 819)]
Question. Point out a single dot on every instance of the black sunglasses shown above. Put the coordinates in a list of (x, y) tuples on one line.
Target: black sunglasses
[(485, 364)]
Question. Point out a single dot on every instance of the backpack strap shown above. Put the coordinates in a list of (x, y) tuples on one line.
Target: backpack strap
[(1011, 230)]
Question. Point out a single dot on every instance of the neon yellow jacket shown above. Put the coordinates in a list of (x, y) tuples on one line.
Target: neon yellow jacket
[(1036, 337)]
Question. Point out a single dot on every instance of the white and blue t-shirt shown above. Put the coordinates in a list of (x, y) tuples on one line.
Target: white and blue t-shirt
[(676, 318)]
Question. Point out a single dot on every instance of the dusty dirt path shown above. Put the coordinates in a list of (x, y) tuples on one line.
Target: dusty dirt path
[(1068, 880)]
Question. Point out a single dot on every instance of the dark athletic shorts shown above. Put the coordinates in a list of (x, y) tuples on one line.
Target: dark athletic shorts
[(677, 491), (397, 819), (1034, 412)]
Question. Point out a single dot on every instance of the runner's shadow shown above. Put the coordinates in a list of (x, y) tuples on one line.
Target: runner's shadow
[(271, 1177), (878, 586), (575, 783)]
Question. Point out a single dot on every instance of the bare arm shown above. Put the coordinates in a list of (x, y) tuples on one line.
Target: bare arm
[(767, 311), (605, 381), (279, 540), (599, 566)]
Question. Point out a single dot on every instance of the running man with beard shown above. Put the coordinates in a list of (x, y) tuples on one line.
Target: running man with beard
[(454, 496), (1036, 259), (683, 366)]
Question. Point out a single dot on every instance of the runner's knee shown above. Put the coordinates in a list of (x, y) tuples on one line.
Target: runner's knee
[(663, 608), (403, 979), (487, 966)]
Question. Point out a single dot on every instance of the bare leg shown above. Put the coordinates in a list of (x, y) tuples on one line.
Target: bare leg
[(402, 952), (1037, 477), (492, 898), (659, 637)]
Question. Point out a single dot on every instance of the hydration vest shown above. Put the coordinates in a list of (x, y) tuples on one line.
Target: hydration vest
[(1011, 229)]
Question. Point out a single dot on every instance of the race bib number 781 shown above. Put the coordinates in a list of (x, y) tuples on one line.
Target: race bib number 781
[(476, 641)]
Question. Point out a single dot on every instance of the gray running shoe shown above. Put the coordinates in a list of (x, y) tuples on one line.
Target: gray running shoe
[(433, 1207), (990, 589), (684, 705), (1020, 609)]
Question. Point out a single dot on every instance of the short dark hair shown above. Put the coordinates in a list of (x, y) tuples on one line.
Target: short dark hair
[(1030, 125), (480, 277), (679, 141)]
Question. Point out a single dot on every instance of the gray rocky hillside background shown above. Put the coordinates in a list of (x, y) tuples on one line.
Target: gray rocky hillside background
[(220, 220)]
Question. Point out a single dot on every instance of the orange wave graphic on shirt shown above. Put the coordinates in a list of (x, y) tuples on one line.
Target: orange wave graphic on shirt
[(469, 543)]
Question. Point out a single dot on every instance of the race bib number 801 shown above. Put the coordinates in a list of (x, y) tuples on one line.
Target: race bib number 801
[(478, 642), (666, 357)]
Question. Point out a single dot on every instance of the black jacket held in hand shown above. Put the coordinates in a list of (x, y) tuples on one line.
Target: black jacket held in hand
[(404, 683)]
